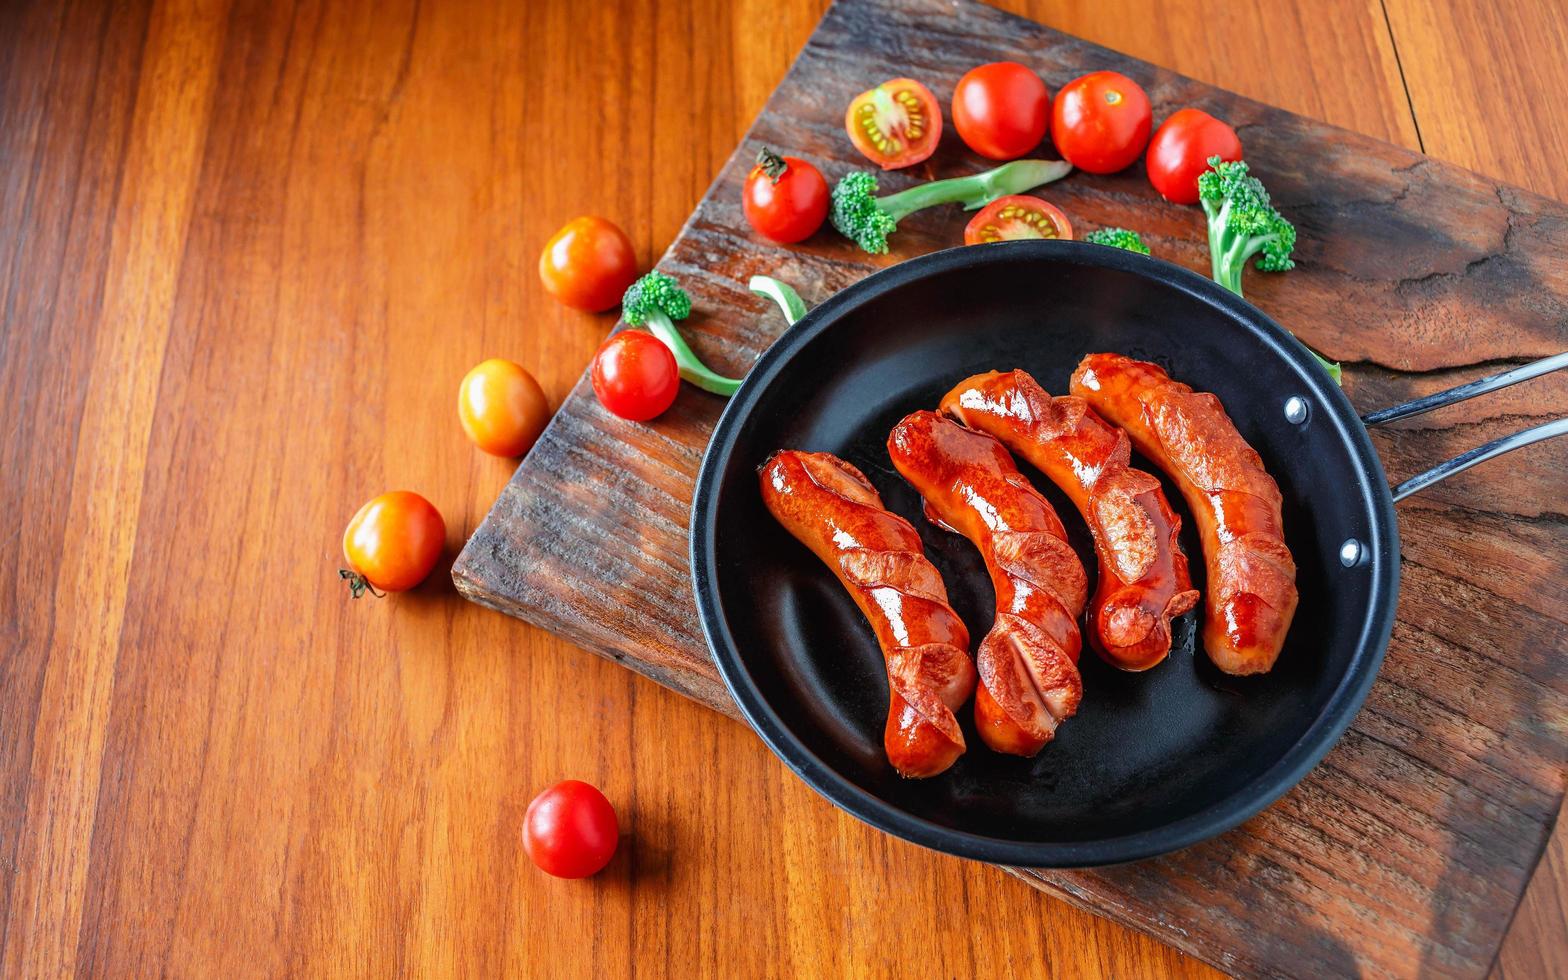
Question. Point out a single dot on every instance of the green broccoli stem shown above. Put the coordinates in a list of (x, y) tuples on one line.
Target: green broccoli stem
[(1217, 245), (1332, 367), (790, 303), (976, 190), (1230, 278), (692, 369), (1229, 255), (1235, 251)]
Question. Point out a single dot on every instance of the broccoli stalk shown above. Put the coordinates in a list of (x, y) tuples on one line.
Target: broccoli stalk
[(657, 301), (1243, 223), (867, 220), (780, 292), (1118, 238)]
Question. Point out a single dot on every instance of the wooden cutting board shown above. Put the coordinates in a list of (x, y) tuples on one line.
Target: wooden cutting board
[(1407, 850)]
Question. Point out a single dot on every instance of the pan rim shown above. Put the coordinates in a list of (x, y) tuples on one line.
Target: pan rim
[(1218, 817)]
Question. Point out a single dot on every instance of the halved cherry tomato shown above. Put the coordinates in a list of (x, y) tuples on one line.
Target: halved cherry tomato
[(635, 375), (588, 264), (393, 542), (1017, 216), (502, 407), (1181, 149), (786, 198), (1101, 122), (897, 124), (570, 830), (1001, 110)]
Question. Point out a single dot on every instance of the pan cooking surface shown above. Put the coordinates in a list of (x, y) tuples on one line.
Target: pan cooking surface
[(1152, 761)]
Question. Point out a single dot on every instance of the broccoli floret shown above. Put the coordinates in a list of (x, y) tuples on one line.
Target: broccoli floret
[(1244, 223), (867, 220), (655, 293), (858, 215), (656, 301), (1118, 238)]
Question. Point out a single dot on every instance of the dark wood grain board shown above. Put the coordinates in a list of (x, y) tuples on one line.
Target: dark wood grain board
[(1408, 848)]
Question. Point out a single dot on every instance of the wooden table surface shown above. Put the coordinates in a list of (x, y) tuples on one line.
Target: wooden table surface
[(246, 253)]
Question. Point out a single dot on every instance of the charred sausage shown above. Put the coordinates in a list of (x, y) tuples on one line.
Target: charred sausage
[(1143, 582), (830, 507), (1252, 577), (1028, 662)]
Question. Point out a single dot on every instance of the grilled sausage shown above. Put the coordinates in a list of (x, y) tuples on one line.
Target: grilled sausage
[(1028, 663), (832, 508), (1252, 577), (1143, 581)]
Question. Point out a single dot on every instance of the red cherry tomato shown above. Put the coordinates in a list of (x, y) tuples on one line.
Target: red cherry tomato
[(570, 830), (1181, 149), (1001, 110), (1101, 122), (635, 375), (393, 542), (897, 124), (786, 198), (588, 264), (1017, 216)]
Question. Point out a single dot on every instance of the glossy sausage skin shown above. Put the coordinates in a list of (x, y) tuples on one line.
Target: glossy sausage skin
[(1143, 582), (1252, 577), (1028, 663), (830, 507)]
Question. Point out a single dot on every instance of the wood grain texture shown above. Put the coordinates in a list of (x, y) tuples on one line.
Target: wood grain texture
[(1471, 113), (1490, 114), (246, 254), (247, 250), (1415, 839)]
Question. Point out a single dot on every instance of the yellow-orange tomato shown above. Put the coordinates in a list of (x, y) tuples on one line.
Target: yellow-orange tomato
[(588, 264), (502, 408), (393, 542)]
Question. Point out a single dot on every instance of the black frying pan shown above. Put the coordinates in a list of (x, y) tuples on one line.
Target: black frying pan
[(1152, 762)]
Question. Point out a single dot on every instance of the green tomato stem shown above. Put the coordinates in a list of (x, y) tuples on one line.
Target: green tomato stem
[(976, 190), (691, 367), (781, 293)]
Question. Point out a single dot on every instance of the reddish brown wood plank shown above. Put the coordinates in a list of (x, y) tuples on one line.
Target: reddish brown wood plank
[(1472, 114), (1535, 945), (1499, 113), (79, 64), (1332, 60), (1376, 860), (287, 783)]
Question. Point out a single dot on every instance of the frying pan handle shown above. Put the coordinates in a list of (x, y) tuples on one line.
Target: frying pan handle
[(1468, 390), (1480, 454)]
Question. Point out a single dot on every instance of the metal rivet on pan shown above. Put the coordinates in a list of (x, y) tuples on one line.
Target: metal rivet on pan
[(1352, 553), (1296, 410)]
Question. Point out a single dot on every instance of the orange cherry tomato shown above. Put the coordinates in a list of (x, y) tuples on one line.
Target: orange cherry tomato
[(588, 264), (1101, 122), (1017, 216), (393, 543), (502, 407), (897, 124)]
